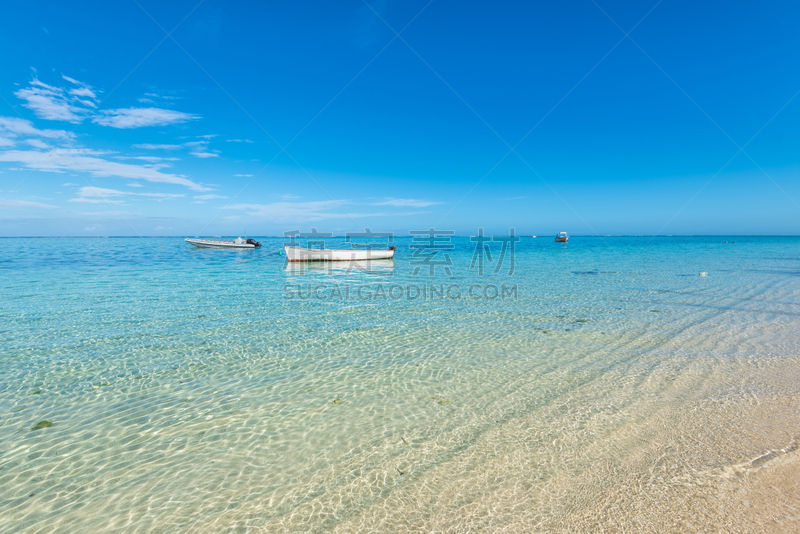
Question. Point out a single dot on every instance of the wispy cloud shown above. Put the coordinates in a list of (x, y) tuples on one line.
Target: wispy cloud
[(151, 159), (83, 89), (243, 175), (97, 195), (53, 103), (37, 143), (405, 202), (114, 214), (140, 117), (85, 92), (209, 197), (238, 141), (163, 97), (77, 103), (199, 149), (15, 127), (149, 146), (91, 162), (296, 212), (12, 203)]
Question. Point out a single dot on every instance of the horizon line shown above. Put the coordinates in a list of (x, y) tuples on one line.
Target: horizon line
[(366, 237)]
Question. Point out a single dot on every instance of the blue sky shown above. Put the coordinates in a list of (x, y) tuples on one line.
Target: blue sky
[(287, 115)]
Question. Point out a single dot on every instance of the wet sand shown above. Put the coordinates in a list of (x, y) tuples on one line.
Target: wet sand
[(724, 462)]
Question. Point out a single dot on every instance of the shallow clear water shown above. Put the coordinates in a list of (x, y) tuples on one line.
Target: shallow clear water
[(204, 390)]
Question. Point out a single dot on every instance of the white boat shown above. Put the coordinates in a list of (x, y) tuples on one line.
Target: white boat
[(322, 254), (224, 243), (562, 237)]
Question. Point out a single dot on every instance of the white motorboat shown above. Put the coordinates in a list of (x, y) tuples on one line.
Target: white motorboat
[(562, 237), (322, 254), (224, 243)]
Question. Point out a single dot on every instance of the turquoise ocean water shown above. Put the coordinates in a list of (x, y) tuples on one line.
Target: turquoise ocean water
[(197, 390)]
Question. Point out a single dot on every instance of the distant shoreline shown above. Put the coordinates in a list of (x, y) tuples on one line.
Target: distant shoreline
[(539, 236)]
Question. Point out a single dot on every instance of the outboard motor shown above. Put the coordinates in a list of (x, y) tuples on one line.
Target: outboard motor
[(253, 242)]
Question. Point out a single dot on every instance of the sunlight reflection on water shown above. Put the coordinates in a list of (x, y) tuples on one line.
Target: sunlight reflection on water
[(190, 390)]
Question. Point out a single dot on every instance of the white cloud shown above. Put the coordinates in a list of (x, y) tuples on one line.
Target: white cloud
[(134, 185), (97, 195), (51, 103), (294, 212), (238, 141), (6, 142), (86, 103), (151, 159), (115, 214), (77, 103), (243, 175), (165, 97), (140, 117), (148, 146), (300, 212), (15, 127), (405, 202), (208, 197), (200, 148), (83, 91), (85, 160), (12, 203), (37, 143)]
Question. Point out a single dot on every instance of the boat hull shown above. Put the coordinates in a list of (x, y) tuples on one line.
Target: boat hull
[(310, 254), (211, 243)]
